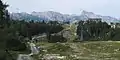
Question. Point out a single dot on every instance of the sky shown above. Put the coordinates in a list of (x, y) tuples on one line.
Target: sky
[(102, 7)]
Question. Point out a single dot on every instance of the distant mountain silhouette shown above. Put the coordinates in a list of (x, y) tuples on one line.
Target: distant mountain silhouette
[(56, 16)]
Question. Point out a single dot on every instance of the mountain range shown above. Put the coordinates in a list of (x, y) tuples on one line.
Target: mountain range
[(56, 16)]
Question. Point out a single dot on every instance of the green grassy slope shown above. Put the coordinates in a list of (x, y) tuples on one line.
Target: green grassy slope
[(99, 50)]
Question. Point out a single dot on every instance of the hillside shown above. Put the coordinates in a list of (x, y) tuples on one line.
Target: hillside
[(100, 50)]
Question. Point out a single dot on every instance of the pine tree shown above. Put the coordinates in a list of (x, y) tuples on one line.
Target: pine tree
[(3, 33), (3, 14)]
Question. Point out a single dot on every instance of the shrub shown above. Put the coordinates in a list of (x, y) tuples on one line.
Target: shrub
[(57, 38), (15, 45)]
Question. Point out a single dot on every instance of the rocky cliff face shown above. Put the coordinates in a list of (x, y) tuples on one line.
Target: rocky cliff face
[(56, 16)]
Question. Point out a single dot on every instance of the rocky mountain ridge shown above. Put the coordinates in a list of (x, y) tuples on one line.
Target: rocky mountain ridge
[(56, 16)]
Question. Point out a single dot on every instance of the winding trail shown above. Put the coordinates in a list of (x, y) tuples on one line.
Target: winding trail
[(24, 57), (34, 50)]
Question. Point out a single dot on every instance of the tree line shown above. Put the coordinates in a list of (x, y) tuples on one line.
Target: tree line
[(95, 29)]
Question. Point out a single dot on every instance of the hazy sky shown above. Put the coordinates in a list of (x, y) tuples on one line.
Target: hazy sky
[(102, 7)]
